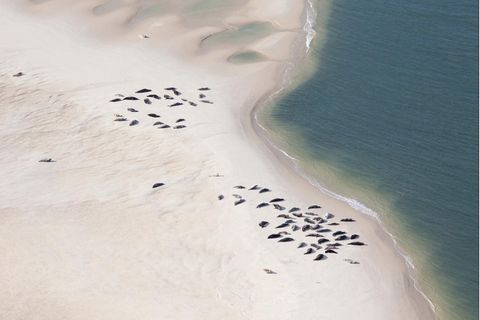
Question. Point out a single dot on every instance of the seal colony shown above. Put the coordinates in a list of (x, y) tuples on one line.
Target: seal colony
[(134, 104), (310, 225)]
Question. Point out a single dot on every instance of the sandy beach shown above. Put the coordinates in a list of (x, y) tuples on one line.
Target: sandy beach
[(137, 215)]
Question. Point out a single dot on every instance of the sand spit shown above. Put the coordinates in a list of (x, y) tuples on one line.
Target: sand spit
[(134, 220)]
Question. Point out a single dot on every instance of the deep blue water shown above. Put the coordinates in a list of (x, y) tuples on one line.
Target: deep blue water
[(394, 104)]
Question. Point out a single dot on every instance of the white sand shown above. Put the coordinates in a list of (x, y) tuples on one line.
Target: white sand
[(87, 237)]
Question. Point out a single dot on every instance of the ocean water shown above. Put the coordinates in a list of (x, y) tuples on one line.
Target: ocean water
[(390, 119)]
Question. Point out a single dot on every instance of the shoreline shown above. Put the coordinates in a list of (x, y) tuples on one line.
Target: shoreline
[(285, 159), (92, 236)]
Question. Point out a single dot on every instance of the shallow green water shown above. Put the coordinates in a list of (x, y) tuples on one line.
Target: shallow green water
[(246, 57)]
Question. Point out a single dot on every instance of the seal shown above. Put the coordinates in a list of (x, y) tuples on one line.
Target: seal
[(239, 202), (331, 251), (144, 90), (323, 240), (133, 123), (324, 230), (277, 200), (263, 224), (263, 204), (321, 256), (153, 115), (287, 239), (302, 244), (157, 185), (308, 220), (278, 207), (329, 215), (309, 251), (268, 271), (316, 235), (306, 227), (274, 236), (315, 206), (264, 190), (294, 209), (357, 243), (335, 244)]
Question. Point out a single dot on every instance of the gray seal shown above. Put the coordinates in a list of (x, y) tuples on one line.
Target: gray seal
[(157, 185), (263, 224), (263, 204), (321, 256)]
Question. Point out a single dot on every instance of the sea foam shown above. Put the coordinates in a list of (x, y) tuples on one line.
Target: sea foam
[(309, 26)]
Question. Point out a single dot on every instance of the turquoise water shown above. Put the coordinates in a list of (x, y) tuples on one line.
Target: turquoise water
[(392, 112)]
